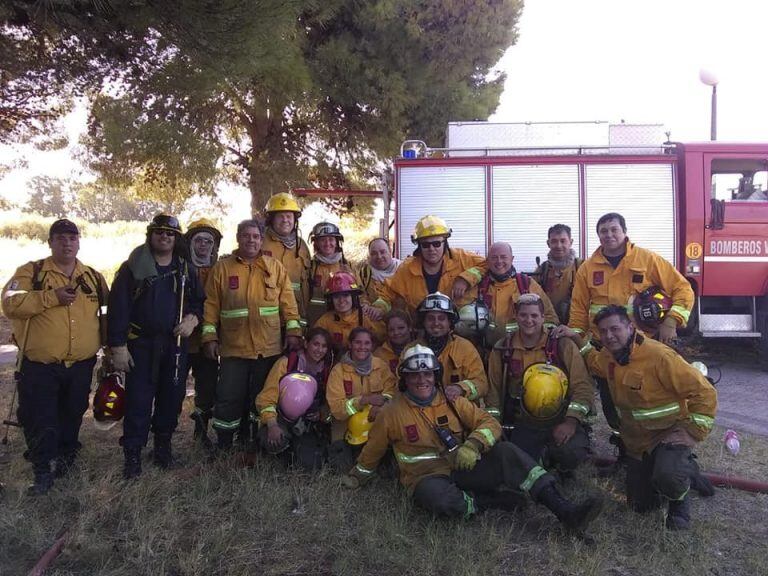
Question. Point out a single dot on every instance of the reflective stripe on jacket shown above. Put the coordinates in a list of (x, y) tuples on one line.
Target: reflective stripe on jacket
[(246, 305), (408, 429), (656, 392), (599, 284)]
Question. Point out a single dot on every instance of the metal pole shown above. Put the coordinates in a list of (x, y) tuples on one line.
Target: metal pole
[(713, 130)]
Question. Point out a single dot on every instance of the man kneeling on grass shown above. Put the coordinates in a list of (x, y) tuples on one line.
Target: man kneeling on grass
[(449, 456), (665, 407)]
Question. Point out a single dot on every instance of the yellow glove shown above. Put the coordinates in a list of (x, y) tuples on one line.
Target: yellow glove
[(466, 457)]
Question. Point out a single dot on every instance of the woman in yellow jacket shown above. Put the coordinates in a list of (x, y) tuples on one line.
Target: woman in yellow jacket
[(399, 327), (303, 439), (345, 312), (358, 382)]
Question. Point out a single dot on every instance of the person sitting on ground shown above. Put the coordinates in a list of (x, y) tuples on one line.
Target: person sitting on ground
[(291, 419), (449, 454), (359, 382), (540, 390)]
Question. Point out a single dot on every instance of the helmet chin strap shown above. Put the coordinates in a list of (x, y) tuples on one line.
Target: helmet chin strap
[(622, 356)]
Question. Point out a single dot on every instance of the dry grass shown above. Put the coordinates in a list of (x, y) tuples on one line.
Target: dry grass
[(221, 519)]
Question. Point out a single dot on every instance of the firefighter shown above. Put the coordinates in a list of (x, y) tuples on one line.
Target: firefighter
[(148, 342), (557, 273), (360, 381), (618, 270), (327, 240), (540, 390), (463, 372), (55, 305), (282, 241), (379, 266), (294, 422), (449, 454), (665, 407), (434, 267), (249, 302), (203, 240), (399, 333), (500, 288), (345, 312)]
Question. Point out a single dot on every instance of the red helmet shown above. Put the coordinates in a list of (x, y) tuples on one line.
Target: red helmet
[(297, 392), (651, 307), (109, 401), (341, 283)]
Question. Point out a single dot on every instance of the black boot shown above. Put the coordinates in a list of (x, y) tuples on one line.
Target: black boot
[(679, 514), (64, 464), (573, 516), (225, 439), (43, 480), (132, 465), (699, 482), (163, 455), (201, 428)]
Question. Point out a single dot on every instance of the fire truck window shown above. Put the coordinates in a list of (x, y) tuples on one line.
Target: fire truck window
[(740, 180)]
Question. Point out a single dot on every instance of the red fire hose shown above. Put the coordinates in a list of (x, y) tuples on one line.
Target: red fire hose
[(46, 559), (717, 479)]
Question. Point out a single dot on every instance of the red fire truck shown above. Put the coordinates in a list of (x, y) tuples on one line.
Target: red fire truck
[(703, 206)]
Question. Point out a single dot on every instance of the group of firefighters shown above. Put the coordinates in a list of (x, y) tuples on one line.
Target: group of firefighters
[(474, 381)]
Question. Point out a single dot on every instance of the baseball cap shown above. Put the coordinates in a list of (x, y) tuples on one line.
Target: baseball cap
[(63, 226)]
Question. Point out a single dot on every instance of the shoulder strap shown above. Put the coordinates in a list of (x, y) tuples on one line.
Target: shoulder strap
[(552, 350), (483, 288), (293, 361), (523, 283), (544, 274), (578, 262), (37, 280)]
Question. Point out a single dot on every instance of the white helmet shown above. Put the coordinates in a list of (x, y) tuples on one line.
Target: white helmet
[(474, 319)]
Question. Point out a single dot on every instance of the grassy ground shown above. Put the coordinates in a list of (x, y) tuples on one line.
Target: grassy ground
[(223, 519)]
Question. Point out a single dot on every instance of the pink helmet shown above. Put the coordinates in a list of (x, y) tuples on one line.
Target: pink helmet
[(297, 392)]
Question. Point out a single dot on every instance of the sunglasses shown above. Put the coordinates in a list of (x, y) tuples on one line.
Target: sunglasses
[(205, 241), (433, 244), (165, 232)]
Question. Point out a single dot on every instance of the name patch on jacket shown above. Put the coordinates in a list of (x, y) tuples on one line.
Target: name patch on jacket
[(442, 420), (348, 387), (598, 278), (637, 278), (267, 252), (412, 433), (234, 282)]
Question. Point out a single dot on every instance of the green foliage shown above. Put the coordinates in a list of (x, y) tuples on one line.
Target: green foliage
[(50, 197), (292, 93), (31, 227)]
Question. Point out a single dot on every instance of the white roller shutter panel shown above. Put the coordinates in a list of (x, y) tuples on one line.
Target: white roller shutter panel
[(643, 194), (526, 201), (455, 193)]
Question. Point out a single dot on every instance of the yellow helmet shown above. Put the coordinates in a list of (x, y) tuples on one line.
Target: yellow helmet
[(358, 427), (430, 226), (203, 224), (283, 202), (545, 388)]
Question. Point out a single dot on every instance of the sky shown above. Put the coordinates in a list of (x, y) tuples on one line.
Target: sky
[(639, 61), (611, 60)]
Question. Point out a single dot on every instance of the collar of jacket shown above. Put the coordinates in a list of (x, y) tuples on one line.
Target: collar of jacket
[(599, 257), (414, 264), (502, 278), (437, 400), (142, 263), (517, 341), (258, 261), (50, 266)]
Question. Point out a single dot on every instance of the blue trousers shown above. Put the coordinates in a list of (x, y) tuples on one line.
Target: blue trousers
[(152, 398), (52, 401)]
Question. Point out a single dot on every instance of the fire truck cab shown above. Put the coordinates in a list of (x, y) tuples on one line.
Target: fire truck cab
[(702, 206)]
